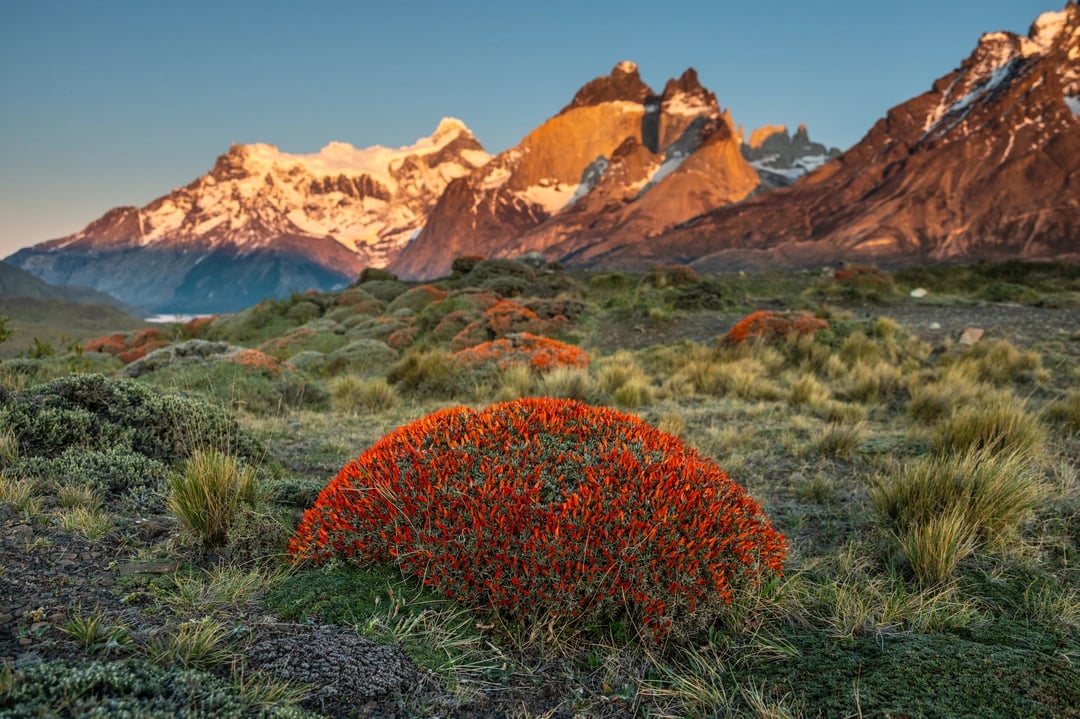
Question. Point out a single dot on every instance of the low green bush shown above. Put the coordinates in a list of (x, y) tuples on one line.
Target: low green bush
[(95, 412), (126, 688)]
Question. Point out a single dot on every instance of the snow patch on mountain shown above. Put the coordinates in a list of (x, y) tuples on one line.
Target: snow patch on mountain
[(686, 105), (1046, 28), (669, 165), (343, 158), (589, 178), (1074, 104), (551, 195)]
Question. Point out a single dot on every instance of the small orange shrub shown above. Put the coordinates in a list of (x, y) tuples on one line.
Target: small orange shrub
[(194, 328), (112, 344), (402, 338), (546, 508), (257, 360), (767, 325), (508, 316), (128, 347), (541, 353)]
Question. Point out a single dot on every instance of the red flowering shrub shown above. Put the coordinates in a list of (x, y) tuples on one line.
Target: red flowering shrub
[(546, 508), (767, 325), (507, 316), (194, 328), (112, 344), (402, 338), (471, 334), (417, 298), (541, 353), (863, 275), (860, 282), (128, 347), (256, 360)]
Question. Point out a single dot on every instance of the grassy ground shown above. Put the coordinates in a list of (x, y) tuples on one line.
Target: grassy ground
[(929, 491), (47, 326)]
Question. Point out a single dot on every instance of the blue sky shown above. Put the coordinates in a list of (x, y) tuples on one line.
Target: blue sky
[(110, 102)]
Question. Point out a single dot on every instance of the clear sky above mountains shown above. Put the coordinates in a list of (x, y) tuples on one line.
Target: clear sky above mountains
[(115, 102)]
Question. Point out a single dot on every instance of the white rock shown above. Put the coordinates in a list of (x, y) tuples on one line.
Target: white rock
[(918, 292)]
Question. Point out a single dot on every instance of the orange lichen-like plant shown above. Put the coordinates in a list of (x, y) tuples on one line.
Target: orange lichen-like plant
[(541, 353), (549, 508), (767, 325)]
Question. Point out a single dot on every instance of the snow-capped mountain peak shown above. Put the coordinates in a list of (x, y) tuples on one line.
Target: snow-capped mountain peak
[(998, 59), (350, 207)]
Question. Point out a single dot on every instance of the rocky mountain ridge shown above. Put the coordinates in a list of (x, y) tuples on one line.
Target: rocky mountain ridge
[(984, 165), (551, 193), (262, 223)]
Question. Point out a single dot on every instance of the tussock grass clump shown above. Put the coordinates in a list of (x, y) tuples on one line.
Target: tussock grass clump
[(1065, 411), (429, 373), (942, 508), (875, 382), (199, 644), (840, 440), (220, 586), (95, 633), (935, 546), (352, 394), (567, 382), (841, 413), (808, 391), (207, 495), (858, 347), (91, 523), (622, 379), (999, 361), (633, 393), (515, 381), (1051, 603), (672, 423), (19, 495), (995, 491), (702, 376), (748, 379), (77, 494), (999, 424), (9, 447), (550, 511), (615, 371)]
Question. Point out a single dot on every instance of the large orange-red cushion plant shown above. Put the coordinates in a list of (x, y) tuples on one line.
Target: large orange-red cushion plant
[(546, 508)]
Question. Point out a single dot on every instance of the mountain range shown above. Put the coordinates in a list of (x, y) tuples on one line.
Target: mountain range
[(984, 165)]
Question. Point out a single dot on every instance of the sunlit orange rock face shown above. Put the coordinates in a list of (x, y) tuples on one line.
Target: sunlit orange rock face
[(619, 158), (983, 165)]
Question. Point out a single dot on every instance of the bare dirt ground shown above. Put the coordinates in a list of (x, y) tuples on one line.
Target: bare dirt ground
[(1026, 327)]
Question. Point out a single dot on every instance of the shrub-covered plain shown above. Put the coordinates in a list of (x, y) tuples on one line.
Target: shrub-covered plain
[(928, 492)]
